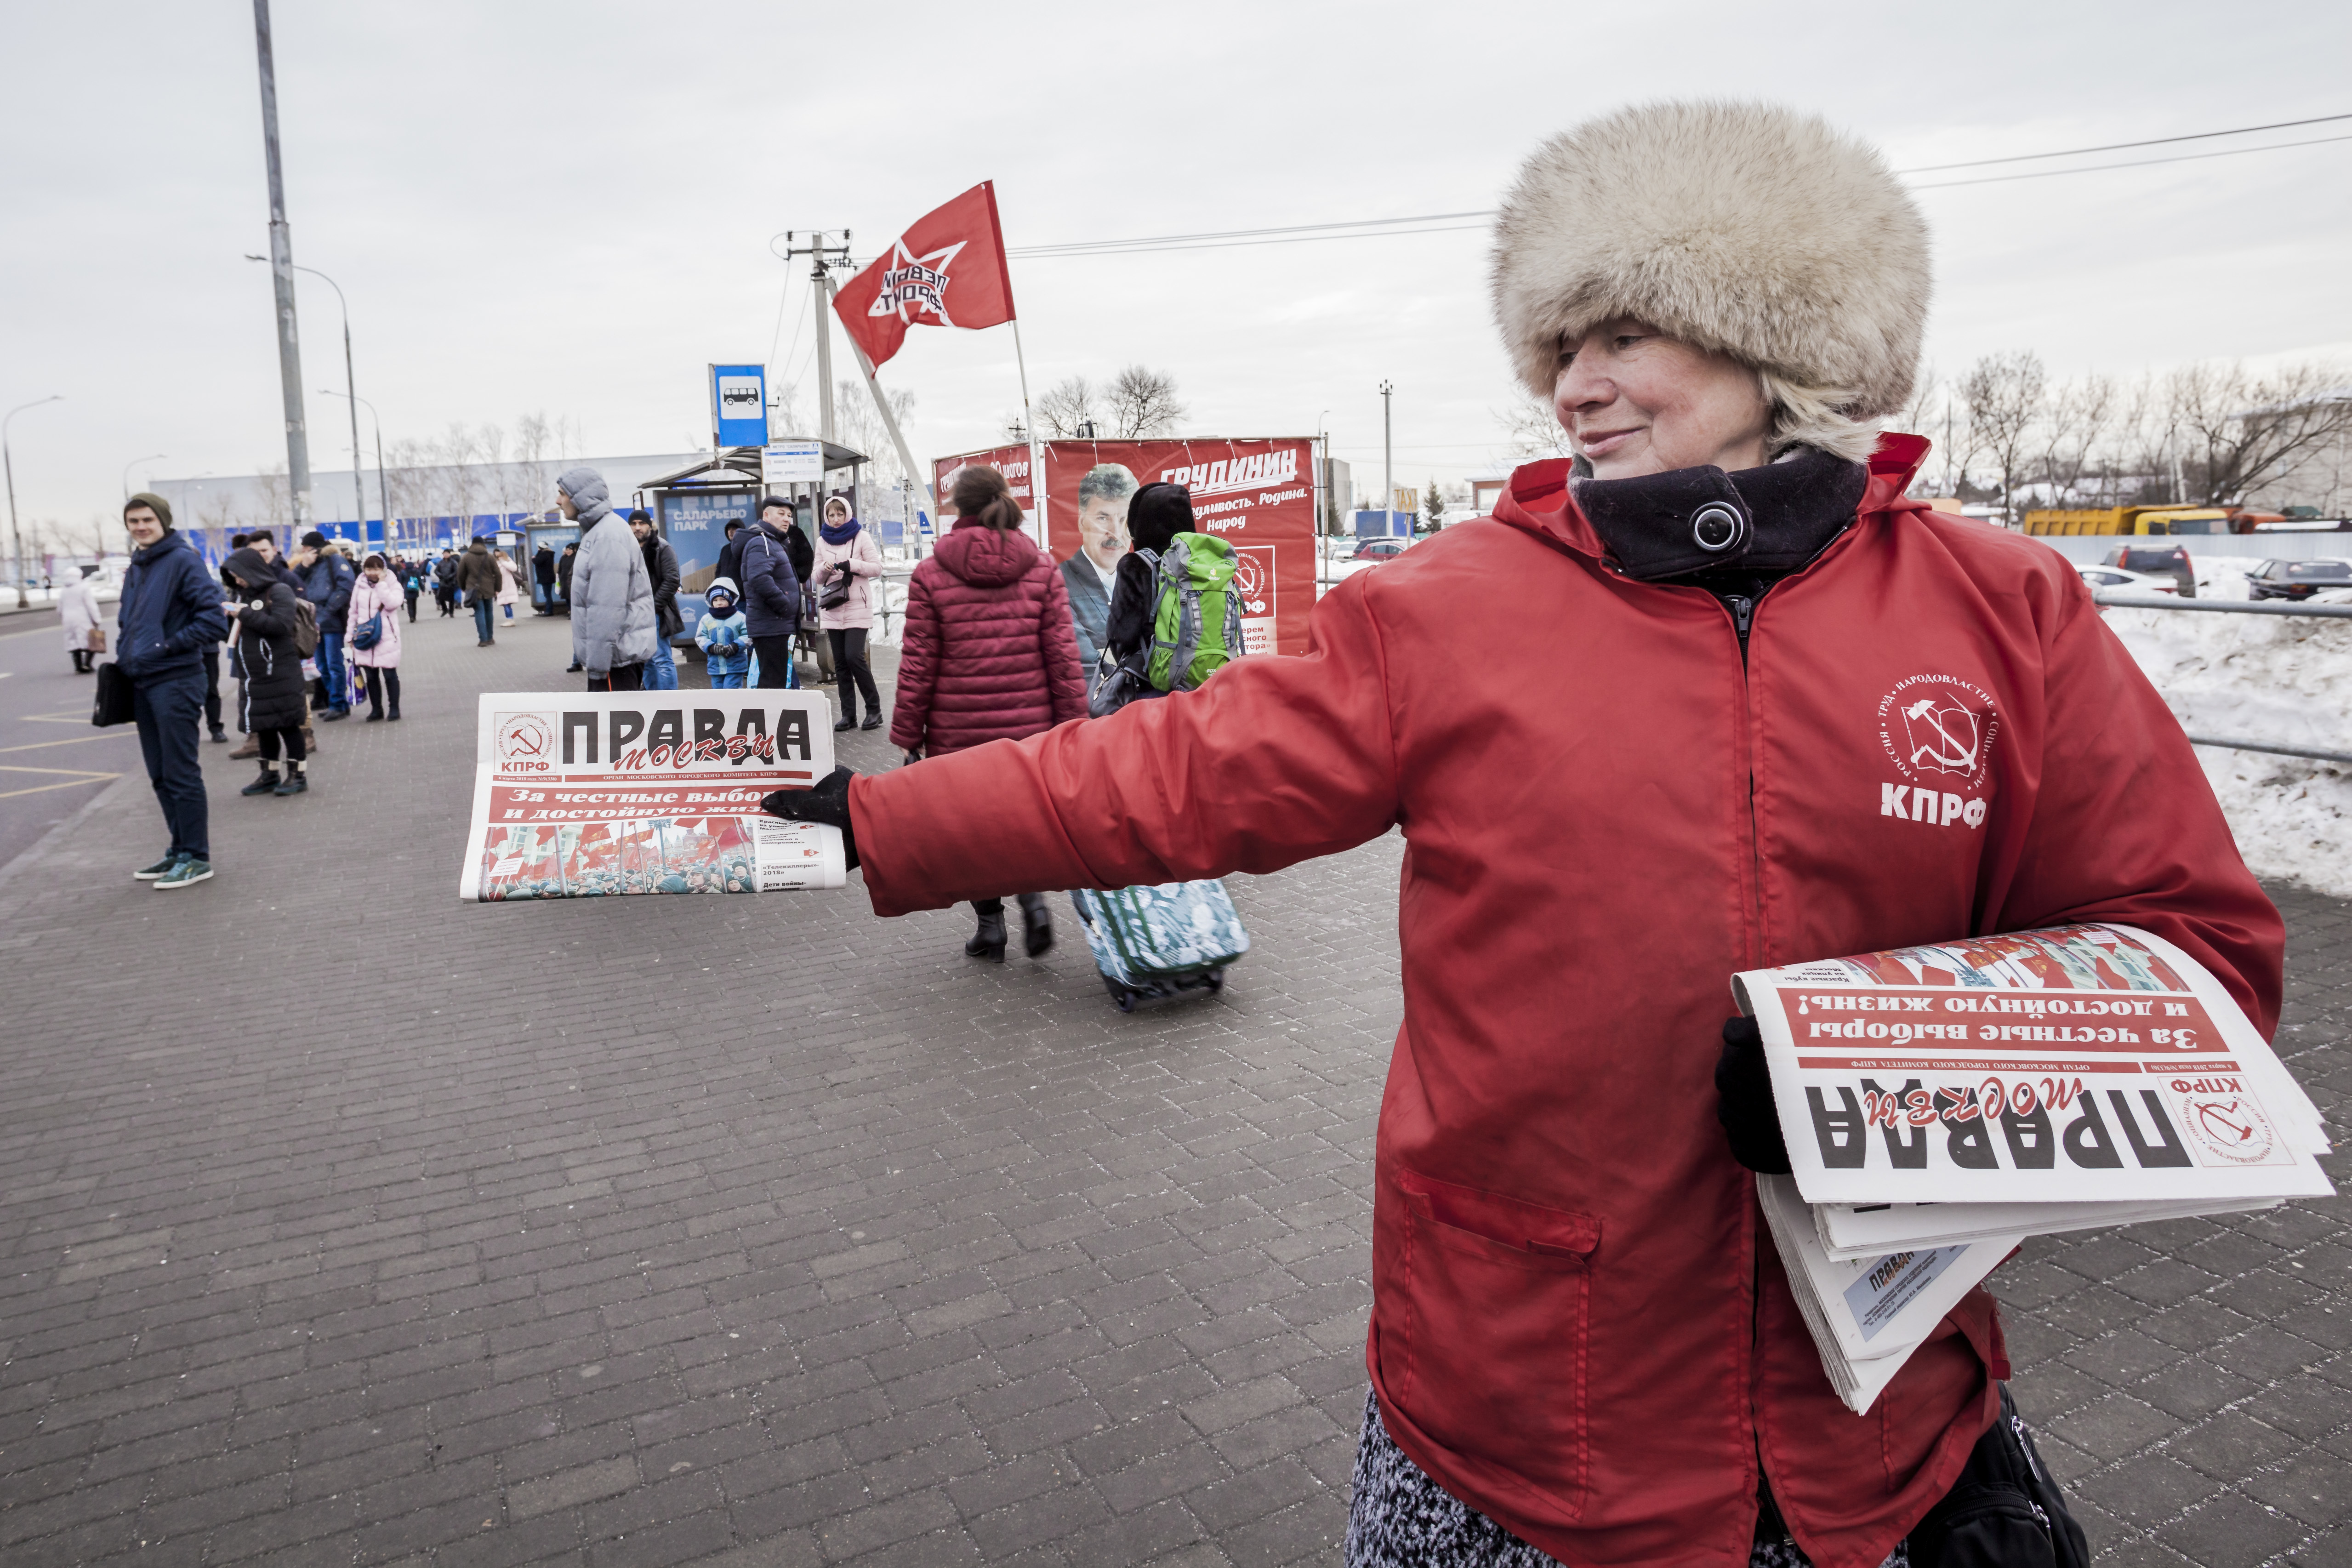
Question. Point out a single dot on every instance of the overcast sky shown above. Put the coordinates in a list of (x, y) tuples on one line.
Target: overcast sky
[(567, 207)]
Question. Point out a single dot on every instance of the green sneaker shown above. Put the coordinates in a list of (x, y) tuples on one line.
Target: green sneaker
[(184, 872), (161, 867)]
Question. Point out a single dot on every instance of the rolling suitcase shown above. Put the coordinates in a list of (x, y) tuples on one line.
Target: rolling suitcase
[(1152, 943)]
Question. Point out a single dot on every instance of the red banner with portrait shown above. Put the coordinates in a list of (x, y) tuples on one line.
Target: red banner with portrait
[(1256, 495)]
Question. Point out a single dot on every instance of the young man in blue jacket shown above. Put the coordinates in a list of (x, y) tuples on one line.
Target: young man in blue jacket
[(170, 613), (326, 579)]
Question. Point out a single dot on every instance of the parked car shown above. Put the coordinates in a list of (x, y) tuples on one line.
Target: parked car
[(2297, 579), (1378, 549), (2116, 577), (2164, 560)]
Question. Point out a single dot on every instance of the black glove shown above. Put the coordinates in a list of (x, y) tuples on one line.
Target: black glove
[(827, 806), (914, 755), (1743, 1103)]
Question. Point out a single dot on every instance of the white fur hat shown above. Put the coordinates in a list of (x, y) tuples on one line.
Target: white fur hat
[(1743, 227)]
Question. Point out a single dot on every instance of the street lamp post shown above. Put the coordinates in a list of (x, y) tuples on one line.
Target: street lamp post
[(359, 496), (150, 457), (1388, 463), (382, 486), (9, 462)]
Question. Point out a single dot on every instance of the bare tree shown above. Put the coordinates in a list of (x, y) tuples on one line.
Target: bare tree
[(2004, 394), (859, 423), (2074, 424), (534, 444), (276, 502), (1073, 407), (1534, 429), (1143, 404), (2235, 432)]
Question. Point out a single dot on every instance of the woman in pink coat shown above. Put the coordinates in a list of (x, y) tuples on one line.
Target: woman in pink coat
[(844, 548), (376, 597), (508, 575)]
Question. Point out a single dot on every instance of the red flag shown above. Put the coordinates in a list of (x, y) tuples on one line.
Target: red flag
[(947, 270)]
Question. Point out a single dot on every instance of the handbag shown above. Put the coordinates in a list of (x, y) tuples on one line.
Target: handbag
[(113, 705), (1116, 685), (368, 635), (837, 593), (96, 641)]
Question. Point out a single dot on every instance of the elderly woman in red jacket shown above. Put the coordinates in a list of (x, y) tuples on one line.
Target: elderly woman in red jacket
[(1664, 759), (988, 656)]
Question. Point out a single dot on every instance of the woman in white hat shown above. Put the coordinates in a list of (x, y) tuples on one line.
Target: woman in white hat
[(1670, 751)]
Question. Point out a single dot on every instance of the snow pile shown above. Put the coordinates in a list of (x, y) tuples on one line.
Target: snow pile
[(2281, 679)]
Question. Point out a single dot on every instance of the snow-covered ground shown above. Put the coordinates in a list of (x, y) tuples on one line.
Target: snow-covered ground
[(2281, 679)]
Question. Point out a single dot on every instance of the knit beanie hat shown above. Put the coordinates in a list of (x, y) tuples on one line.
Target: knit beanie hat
[(163, 508), (1746, 228), (1157, 514), (314, 539)]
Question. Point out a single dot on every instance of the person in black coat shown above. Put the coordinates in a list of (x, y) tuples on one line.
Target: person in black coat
[(772, 590), (274, 701), (730, 555), (1156, 514)]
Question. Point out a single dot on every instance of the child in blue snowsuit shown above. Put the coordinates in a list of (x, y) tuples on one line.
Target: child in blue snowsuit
[(724, 636)]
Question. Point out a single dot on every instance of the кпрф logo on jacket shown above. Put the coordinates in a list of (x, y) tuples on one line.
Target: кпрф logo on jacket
[(1938, 731)]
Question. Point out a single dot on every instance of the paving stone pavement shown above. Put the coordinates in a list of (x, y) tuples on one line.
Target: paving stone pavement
[(343, 1223)]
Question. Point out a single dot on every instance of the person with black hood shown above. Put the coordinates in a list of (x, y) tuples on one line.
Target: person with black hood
[(445, 584), (272, 701), (170, 609), (771, 591), (661, 566), (542, 581)]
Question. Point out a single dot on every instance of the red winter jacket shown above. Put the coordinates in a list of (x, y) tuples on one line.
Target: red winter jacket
[(1579, 1325), (989, 655)]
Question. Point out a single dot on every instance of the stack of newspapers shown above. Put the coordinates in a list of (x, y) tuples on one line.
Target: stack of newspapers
[(1941, 1104)]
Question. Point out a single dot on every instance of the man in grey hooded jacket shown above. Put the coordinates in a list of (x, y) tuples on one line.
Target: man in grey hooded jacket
[(612, 596)]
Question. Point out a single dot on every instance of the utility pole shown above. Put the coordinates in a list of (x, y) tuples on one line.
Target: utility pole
[(281, 272), (9, 462), (1388, 463), (820, 255)]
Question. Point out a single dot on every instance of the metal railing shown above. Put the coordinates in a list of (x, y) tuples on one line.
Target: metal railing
[(2111, 598), (2116, 599)]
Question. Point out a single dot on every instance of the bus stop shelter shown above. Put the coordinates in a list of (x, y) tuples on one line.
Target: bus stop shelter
[(693, 506)]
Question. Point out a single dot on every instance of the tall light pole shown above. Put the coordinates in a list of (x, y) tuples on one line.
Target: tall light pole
[(1388, 463), (281, 272), (382, 486), (8, 461), (150, 457), (359, 496)]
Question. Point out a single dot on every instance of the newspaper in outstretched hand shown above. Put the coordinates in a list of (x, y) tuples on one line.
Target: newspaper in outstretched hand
[(2094, 1063), (584, 795)]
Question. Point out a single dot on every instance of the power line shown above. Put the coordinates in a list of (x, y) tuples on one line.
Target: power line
[(2120, 146), (2133, 163), (1447, 223), (1077, 246)]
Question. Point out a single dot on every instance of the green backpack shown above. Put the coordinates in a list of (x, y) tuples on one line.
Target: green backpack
[(1196, 624)]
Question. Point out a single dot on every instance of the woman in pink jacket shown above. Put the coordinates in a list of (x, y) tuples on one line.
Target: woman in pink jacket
[(844, 549), (376, 599)]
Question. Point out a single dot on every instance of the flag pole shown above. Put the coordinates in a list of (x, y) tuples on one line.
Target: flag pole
[(889, 419), (1029, 429)]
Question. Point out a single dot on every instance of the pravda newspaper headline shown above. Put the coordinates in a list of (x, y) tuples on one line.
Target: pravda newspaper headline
[(2081, 1062), (591, 795)]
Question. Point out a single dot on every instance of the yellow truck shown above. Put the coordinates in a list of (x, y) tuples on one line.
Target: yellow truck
[(2132, 520)]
